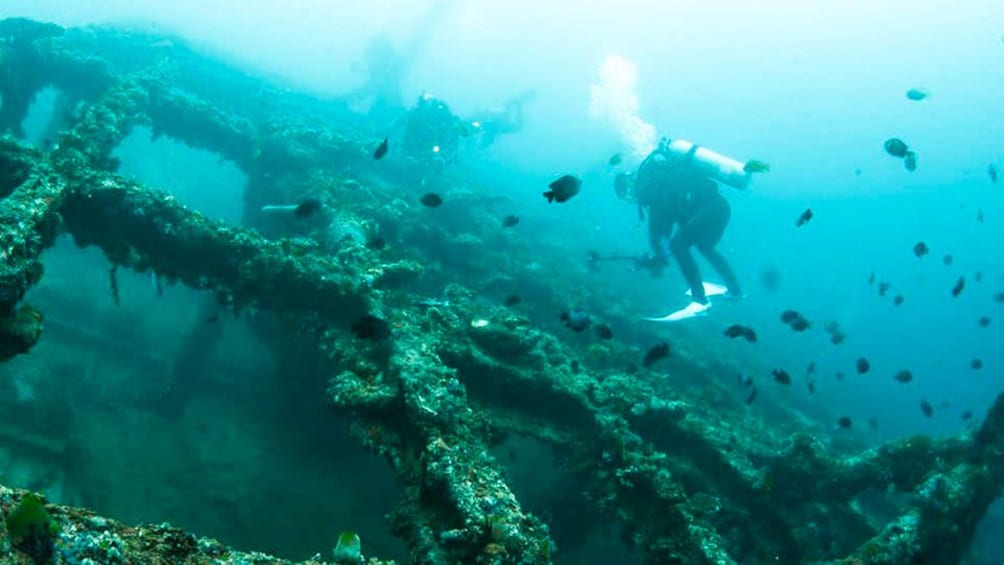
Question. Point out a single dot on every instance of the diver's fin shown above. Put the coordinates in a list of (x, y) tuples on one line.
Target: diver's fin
[(692, 310), (711, 289)]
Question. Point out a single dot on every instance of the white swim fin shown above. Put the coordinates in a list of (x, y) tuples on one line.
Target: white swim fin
[(711, 289), (692, 310)]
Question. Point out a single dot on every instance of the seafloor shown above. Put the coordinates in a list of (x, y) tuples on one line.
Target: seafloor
[(474, 433)]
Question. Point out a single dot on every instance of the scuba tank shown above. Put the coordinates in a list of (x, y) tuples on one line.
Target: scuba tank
[(707, 162)]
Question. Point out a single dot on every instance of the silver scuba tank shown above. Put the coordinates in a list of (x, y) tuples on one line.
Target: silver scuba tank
[(710, 163)]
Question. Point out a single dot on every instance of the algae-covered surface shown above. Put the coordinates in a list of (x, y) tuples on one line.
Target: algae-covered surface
[(227, 330)]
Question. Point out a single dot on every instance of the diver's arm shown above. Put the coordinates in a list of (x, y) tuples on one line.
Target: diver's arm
[(656, 235), (653, 242)]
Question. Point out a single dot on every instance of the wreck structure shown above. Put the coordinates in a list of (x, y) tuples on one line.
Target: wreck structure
[(684, 484)]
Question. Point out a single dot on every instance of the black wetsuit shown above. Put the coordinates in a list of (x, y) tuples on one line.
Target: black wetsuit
[(675, 196), (432, 131)]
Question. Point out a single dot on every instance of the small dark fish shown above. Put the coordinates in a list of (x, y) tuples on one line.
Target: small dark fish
[(839, 376), (745, 380), (917, 94), (897, 300), (735, 330), (113, 281), (910, 161), (812, 387), (992, 173), (603, 331), (751, 397), (926, 408), (157, 285), (770, 278), (979, 216), (512, 300), (576, 319), (959, 285), (967, 415), (999, 297), (371, 327), (978, 276), (903, 376), (845, 422), (431, 200), (862, 366), (212, 319), (789, 316), (871, 279), (307, 208), (781, 376), (811, 369), (984, 321), (896, 147), (836, 336), (800, 325), (510, 221), (804, 218), (574, 365), (921, 249), (873, 424), (797, 321), (948, 260), (563, 189), (883, 288), (657, 352), (615, 159), (976, 364), (381, 149), (857, 172)]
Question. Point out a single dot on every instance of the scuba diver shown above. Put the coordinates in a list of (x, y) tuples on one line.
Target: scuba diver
[(501, 121), (431, 131), (388, 65), (386, 68), (678, 192)]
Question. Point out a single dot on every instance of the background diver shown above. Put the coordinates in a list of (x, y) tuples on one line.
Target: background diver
[(431, 131), (506, 119), (387, 65), (676, 194)]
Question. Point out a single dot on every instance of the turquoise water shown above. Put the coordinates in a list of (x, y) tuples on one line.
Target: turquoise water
[(814, 90)]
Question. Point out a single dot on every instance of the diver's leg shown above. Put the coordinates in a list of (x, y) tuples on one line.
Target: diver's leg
[(722, 267), (680, 247), (713, 220)]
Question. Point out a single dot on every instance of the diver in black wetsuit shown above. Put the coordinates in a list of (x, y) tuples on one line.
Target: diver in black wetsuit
[(431, 131), (675, 194)]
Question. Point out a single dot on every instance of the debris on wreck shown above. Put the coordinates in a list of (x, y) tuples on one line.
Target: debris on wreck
[(434, 401), (61, 534)]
